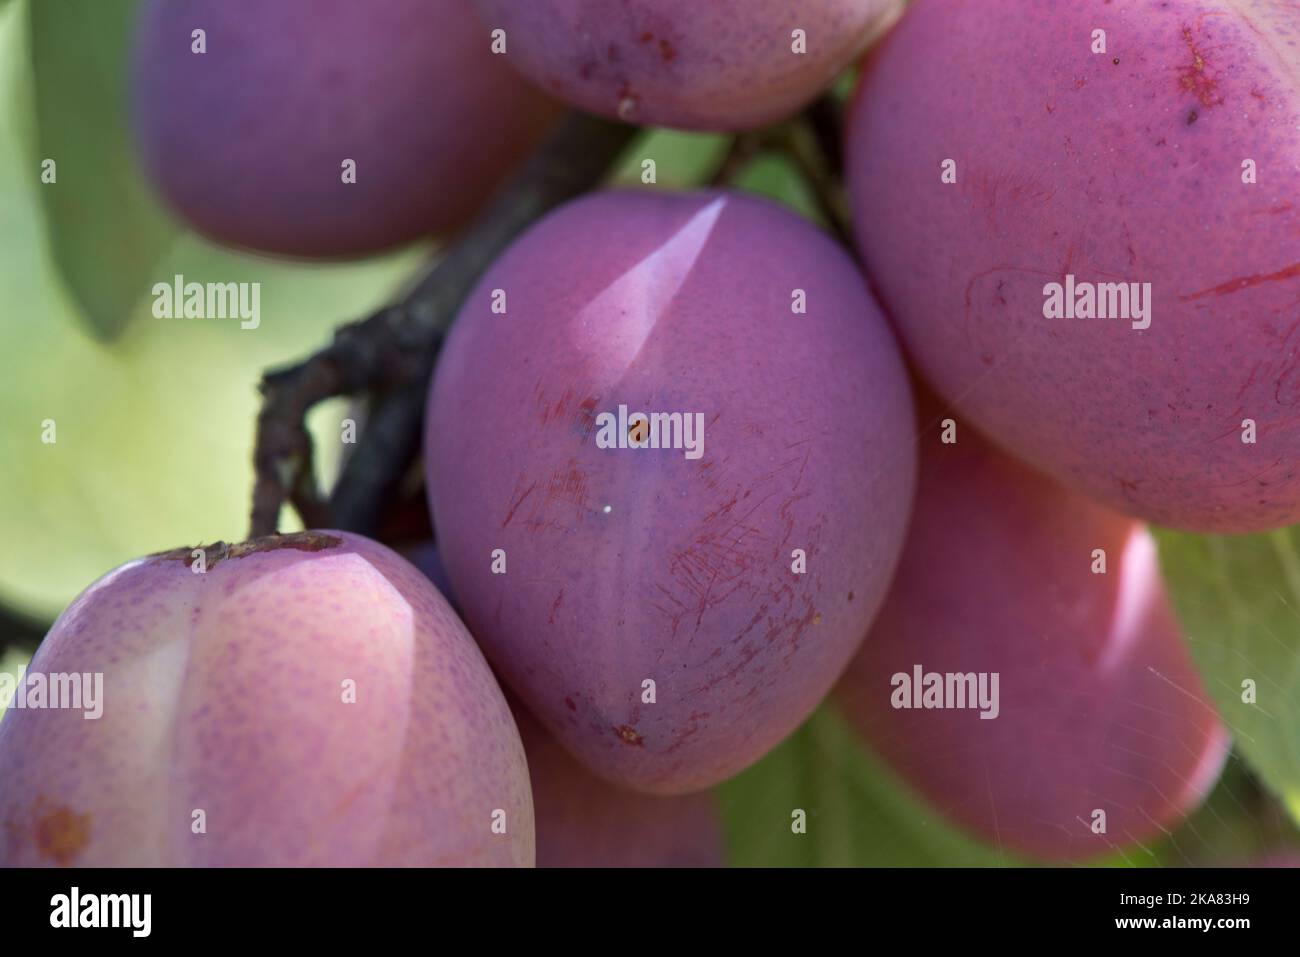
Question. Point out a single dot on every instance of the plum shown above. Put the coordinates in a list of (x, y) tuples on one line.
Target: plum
[(1168, 160), (670, 613), (247, 141), (682, 63), (1097, 705), (308, 699), (583, 821)]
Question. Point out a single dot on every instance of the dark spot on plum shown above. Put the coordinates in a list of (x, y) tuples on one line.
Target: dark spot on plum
[(1115, 61), (667, 51), (612, 53), (850, 596), (628, 735), (60, 833), (646, 37), (220, 551), (1192, 117), (568, 702)]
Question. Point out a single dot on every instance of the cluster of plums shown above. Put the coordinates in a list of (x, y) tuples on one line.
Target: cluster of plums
[(663, 620)]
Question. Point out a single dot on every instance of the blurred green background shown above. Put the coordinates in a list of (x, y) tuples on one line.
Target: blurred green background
[(154, 430)]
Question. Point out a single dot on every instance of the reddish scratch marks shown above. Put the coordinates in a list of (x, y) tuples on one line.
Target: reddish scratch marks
[(587, 416), (555, 607), (349, 798), (1251, 478), (549, 411), (1248, 382), (628, 735), (1127, 486), (1195, 78), (1273, 210), (519, 501), (994, 192), (1245, 282), (568, 486)]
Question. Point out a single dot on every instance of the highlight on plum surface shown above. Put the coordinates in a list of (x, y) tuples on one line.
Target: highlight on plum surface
[(1081, 218), (1026, 673), (327, 128), (683, 63), (670, 459), (299, 700)]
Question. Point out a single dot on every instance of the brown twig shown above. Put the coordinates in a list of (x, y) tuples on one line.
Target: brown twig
[(741, 151), (803, 147), (394, 349), (19, 631), (825, 119)]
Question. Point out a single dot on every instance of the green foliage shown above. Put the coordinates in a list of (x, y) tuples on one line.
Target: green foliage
[(106, 231), (682, 160), (154, 431), (858, 812), (861, 814), (1239, 598), (11, 661)]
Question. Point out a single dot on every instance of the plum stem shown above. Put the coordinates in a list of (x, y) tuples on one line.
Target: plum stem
[(810, 142), (391, 353)]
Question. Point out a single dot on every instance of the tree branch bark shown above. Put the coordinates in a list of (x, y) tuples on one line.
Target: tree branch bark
[(392, 352)]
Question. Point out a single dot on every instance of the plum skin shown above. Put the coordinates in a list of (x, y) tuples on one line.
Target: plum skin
[(1100, 704), (631, 565), (223, 691), (583, 821), (683, 63), (1122, 166), (246, 142)]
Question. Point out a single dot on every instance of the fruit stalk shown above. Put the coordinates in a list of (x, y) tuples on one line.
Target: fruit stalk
[(391, 352)]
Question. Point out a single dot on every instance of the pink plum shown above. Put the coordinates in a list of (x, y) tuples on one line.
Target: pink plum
[(670, 613), (1097, 706), (1133, 149), (307, 699), (247, 141), (707, 66)]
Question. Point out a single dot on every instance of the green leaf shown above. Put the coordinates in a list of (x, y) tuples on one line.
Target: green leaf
[(11, 661), (861, 814), (1237, 824), (1239, 598), (105, 229), (858, 812), (682, 160), (154, 432)]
